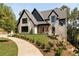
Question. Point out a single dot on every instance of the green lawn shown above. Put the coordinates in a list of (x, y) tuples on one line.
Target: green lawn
[(41, 39), (8, 47)]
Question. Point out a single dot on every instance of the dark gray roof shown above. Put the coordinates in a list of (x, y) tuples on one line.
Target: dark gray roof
[(34, 19)]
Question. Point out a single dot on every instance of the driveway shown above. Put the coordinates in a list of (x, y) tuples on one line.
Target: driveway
[(24, 48)]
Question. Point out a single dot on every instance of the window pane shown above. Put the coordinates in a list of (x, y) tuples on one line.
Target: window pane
[(24, 20), (62, 22), (53, 18), (25, 29)]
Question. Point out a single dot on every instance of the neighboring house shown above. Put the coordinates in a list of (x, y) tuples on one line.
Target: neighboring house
[(43, 22)]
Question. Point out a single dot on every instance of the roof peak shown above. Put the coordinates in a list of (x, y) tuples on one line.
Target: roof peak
[(26, 10)]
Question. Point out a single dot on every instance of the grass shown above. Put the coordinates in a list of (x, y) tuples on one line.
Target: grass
[(39, 40), (42, 39), (8, 47)]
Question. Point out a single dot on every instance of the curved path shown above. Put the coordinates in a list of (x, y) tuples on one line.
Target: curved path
[(25, 48)]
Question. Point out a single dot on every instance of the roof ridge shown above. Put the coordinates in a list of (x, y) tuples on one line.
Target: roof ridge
[(46, 10)]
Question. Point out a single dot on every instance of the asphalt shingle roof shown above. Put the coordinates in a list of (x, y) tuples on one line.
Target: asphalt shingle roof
[(44, 14), (61, 13), (31, 16)]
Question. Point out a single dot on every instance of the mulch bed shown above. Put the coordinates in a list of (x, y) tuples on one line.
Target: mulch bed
[(66, 53), (51, 53)]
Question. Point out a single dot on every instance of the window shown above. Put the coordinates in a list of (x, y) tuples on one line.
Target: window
[(24, 28), (62, 22), (24, 20), (53, 18)]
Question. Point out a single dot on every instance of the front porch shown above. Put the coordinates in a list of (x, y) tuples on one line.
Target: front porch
[(43, 29)]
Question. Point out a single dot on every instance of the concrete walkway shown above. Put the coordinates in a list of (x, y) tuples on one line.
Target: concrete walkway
[(24, 48)]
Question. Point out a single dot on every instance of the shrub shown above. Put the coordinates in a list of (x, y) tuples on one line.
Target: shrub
[(40, 40), (58, 51), (42, 46), (51, 44), (3, 40), (47, 49)]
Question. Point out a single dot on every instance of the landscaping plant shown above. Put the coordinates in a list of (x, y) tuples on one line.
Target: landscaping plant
[(42, 41), (58, 51)]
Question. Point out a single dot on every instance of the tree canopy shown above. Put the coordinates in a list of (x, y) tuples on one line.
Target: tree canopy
[(74, 13), (68, 10), (7, 18), (71, 15)]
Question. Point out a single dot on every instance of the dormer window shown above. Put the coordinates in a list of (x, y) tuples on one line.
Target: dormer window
[(53, 18), (24, 20)]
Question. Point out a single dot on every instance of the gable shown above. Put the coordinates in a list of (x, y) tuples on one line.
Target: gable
[(37, 15), (29, 15), (61, 13), (53, 13), (46, 14), (24, 16)]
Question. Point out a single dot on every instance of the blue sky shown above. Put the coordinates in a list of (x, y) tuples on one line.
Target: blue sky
[(17, 7)]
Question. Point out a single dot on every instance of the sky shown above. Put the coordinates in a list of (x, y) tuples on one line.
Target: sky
[(17, 7)]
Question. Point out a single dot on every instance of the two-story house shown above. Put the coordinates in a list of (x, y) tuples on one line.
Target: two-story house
[(43, 22)]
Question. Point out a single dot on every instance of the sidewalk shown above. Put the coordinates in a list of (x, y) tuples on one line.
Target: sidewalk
[(24, 48)]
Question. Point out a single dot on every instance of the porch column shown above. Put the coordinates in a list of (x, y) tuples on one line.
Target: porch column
[(35, 30), (19, 29)]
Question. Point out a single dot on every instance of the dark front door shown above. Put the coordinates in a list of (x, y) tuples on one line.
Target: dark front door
[(24, 28)]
